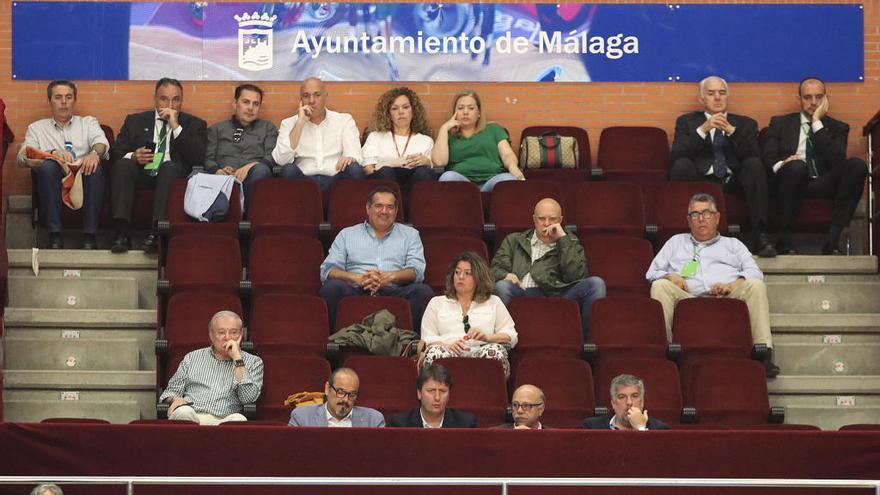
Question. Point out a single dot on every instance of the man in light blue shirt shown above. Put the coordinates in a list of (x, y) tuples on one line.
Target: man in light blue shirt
[(377, 257), (705, 263)]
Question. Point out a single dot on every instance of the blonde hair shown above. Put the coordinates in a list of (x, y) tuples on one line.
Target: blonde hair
[(482, 121)]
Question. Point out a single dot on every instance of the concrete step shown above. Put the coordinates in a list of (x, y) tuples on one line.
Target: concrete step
[(79, 380), (81, 318), (23, 411), (821, 278), (818, 264), (824, 385), (34, 353), (73, 293), (853, 297), (825, 359), (818, 323), (826, 400), (830, 418), (63, 402)]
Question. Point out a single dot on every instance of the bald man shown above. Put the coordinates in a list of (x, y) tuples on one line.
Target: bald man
[(527, 406), (318, 143), (547, 260)]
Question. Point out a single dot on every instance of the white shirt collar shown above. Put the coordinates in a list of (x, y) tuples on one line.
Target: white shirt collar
[(425, 423), (332, 421)]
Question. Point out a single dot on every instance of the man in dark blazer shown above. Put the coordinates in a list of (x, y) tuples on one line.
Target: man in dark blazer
[(713, 145), (153, 149), (628, 402), (432, 388), (806, 154), (527, 406)]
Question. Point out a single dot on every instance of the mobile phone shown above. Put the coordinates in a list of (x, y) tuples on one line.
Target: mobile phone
[(151, 146)]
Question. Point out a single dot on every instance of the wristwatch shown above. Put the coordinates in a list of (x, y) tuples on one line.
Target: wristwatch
[(239, 363)]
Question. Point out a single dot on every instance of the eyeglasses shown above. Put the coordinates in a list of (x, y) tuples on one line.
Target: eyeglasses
[(228, 333), (525, 406), (341, 394), (466, 322), (236, 136), (705, 214)]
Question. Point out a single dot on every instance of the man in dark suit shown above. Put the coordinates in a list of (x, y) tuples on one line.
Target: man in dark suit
[(153, 149), (432, 388), (527, 405), (713, 145), (806, 153), (628, 402)]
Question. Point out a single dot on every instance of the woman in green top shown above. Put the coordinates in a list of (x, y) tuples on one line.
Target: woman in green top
[(472, 149)]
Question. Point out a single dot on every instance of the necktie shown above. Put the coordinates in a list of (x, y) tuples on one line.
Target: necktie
[(811, 154), (719, 141), (159, 155)]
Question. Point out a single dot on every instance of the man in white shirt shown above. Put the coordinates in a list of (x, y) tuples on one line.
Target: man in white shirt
[(317, 142)]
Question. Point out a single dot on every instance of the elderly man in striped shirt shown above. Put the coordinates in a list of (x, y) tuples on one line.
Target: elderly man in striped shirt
[(212, 384)]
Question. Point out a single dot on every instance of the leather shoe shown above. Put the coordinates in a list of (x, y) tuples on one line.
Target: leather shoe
[(89, 241), (151, 243), (772, 370), (831, 249), (765, 247), (121, 244), (56, 241)]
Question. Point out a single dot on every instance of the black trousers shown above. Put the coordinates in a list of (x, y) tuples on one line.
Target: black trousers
[(750, 179), (128, 176), (843, 184)]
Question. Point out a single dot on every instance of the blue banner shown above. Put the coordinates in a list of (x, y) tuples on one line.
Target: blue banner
[(436, 42)]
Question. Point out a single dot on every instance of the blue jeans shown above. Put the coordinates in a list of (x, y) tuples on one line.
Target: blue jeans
[(258, 172), (49, 175), (451, 176), (585, 292), (353, 171)]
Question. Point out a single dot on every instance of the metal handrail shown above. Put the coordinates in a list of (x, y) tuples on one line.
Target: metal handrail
[(502, 482)]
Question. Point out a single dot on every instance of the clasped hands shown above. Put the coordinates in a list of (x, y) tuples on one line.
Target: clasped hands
[(718, 121), (716, 290), (461, 345), (373, 280)]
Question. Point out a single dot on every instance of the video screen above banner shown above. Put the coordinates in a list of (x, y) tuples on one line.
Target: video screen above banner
[(436, 41)]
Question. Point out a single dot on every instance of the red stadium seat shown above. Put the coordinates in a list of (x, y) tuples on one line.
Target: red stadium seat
[(353, 309), (627, 327), (348, 202), (566, 383), (286, 206), (446, 209), (731, 392), (388, 383), (163, 422), (663, 398), (634, 154), (614, 208), (580, 173), (671, 203), (513, 205), (289, 324), (76, 420), (480, 388), (860, 427), (440, 251), (706, 326), (285, 263), (202, 263), (180, 223), (285, 375), (547, 326), (621, 262), (188, 314)]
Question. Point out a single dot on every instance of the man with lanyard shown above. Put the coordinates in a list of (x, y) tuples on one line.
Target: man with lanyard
[(704, 263), (153, 149)]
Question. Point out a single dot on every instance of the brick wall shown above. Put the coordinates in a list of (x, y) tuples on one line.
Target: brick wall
[(590, 105)]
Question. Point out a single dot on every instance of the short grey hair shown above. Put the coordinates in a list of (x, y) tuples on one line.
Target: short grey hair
[(703, 198), (219, 315), (706, 81), (50, 487), (626, 381)]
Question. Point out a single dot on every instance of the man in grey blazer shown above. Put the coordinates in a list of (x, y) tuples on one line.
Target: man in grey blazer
[(341, 390)]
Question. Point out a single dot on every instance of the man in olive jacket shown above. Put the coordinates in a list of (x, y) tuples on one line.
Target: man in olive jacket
[(547, 260)]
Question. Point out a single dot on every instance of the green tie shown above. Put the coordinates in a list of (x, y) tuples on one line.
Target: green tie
[(811, 156)]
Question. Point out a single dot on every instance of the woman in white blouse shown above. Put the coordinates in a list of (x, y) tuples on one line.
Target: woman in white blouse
[(468, 321), (398, 147)]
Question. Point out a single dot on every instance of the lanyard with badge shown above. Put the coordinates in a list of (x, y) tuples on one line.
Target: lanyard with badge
[(690, 268), (159, 153)]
